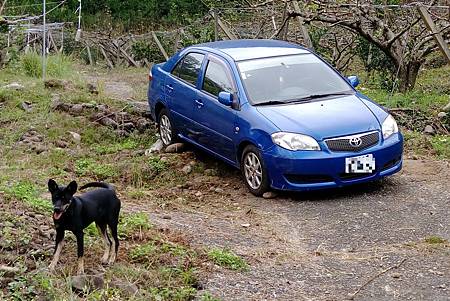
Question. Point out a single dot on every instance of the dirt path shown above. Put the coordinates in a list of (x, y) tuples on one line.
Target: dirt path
[(324, 246)]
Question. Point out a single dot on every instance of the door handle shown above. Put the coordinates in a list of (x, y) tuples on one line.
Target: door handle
[(169, 88), (199, 103)]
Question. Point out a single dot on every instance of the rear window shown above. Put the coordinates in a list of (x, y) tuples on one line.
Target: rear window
[(189, 67)]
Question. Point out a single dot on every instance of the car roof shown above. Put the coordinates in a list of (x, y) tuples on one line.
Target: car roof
[(240, 50)]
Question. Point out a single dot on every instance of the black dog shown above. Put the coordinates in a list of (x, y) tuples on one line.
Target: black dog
[(75, 213)]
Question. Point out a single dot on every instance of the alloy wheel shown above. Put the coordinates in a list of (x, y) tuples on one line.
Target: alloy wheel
[(165, 130), (253, 170)]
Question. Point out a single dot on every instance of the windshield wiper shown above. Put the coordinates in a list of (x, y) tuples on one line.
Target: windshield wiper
[(272, 102), (316, 96)]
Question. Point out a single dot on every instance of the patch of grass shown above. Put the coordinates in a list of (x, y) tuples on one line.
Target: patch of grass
[(226, 258), (208, 297), (58, 65), (434, 240), (28, 193), (88, 167), (134, 223), (424, 145), (126, 144), (157, 165), (441, 144)]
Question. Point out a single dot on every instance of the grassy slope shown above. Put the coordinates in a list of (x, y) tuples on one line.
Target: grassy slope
[(161, 264)]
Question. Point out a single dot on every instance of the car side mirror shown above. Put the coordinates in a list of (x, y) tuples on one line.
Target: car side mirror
[(353, 80), (226, 98)]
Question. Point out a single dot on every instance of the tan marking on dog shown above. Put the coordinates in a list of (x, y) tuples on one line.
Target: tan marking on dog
[(112, 257), (80, 266), (55, 259), (105, 256)]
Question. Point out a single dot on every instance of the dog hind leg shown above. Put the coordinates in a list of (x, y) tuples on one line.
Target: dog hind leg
[(115, 242), (102, 229), (58, 247), (80, 252)]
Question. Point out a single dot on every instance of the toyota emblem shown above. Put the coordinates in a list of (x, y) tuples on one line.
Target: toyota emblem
[(355, 142)]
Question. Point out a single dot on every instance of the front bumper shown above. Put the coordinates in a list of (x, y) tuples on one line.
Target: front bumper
[(311, 170)]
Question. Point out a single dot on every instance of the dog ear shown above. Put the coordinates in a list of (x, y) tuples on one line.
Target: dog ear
[(72, 187), (52, 186)]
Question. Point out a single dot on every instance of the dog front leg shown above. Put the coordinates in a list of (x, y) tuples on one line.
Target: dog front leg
[(58, 247), (80, 252)]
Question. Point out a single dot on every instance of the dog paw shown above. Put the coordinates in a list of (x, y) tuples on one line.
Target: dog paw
[(104, 261)]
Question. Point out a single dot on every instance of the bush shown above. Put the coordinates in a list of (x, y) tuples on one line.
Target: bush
[(58, 65)]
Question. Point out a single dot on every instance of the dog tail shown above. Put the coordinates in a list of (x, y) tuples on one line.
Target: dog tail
[(98, 185)]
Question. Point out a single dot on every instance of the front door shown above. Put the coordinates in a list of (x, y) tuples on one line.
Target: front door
[(216, 122)]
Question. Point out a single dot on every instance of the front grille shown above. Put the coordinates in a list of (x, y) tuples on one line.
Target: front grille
[(343, 144), (308, 179)]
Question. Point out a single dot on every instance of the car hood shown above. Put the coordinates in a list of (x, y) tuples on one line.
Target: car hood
[(323, 119)]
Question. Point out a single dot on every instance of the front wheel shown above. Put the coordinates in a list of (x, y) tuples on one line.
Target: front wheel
[(166, 129), (254, 171)]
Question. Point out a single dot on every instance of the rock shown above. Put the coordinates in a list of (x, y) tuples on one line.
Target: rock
[(129, 126), (167, 217), (187, 169), (270, 195), (245, 225), (75, 137), (155, 148), (143, 124), (38, 148), (92, 88), (198, 194), (55, 83), (80, 283), (125, 286), (442, 115), (14, 86), (429, 130), (139, 107), (26, 106), (446, 108), (106, 121), (396, 275), (103, 108), (218, 190), (88, 105), (61, 144), (122, 133), (76, 109), (175, 148)]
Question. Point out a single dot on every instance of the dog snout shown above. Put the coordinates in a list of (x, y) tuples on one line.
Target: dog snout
[(57, 209)]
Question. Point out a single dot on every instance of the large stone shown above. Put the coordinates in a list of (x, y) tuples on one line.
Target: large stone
[(155, 148), (75, 137), (270, 195), (26, 106), (106, 121), (187, 169), (14, 86), (143, 124), (76, 109), (128, 126), (429, 130), (125, 286), (139, 107), (175, 148)]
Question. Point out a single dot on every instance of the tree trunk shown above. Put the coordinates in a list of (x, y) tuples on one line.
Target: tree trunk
[(408, 75)]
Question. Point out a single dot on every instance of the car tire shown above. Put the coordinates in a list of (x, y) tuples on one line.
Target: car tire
[(166, 130), (254, 171)]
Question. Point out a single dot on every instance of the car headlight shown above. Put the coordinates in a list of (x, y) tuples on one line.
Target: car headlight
[(295, 142), (389, 127)]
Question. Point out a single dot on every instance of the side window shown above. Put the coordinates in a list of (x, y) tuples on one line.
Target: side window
[(189, 67), (216, 79)]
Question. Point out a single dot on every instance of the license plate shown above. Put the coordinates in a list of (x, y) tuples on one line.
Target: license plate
[(361, 164)]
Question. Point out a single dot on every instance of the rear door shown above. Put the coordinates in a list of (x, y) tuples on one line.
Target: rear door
[(181, 90), (216, 122)]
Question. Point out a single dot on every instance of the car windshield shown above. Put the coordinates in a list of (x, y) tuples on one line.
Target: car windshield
[(292, 78)]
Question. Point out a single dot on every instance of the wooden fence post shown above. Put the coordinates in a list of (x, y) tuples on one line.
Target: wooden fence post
[(160, 46)]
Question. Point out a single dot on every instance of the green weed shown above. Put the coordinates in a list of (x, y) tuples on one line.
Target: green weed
[(133, 223), (28, 193), (434, 240), (172, 294), (58, 65), (88, 167), (227, 259)]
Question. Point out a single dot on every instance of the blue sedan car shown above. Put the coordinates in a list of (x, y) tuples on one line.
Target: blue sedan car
[(276, 111)]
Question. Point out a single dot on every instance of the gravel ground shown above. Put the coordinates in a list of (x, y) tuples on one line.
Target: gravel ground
[(365, 242)]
